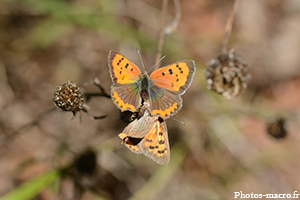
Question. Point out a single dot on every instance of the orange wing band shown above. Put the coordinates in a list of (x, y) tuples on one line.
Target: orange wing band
[(167, 112), (121, 104)]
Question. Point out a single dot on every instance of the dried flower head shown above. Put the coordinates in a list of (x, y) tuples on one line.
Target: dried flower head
[(277, 127), (68, 97), (227, 74)]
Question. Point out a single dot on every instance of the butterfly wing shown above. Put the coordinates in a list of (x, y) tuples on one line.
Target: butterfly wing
[(164, 102), (127, 141), (155, 144), (125, 77), (176, 77), (167, 84), (136, 131), (126, 97), (142, 126)]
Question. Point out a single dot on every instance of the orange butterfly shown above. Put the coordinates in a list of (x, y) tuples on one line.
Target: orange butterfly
[(161, 90), (148, 135)]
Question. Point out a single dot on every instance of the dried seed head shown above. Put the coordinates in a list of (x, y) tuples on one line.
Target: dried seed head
[(68, 97), (227, 74), (276, 127)]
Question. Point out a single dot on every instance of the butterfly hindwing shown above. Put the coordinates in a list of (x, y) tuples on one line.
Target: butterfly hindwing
[(126, 140), (164, 102), (126, 97), (141, 128)]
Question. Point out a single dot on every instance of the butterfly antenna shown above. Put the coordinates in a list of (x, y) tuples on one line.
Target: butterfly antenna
[(157, 62), (181, 122), (138, 51)]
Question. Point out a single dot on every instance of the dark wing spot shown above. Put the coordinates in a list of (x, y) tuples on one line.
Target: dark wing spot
[(148, 140), (118, 63), (126, 66), (120, 72), (172, 85), (160, 134), (156, 147), (122, 59), (181, 72), (161, 152), (161, 142), (163, 73), (151, 147), (170, 71), (179, 68), (176, 75), (177, 80), (131, 69), (177, 65)]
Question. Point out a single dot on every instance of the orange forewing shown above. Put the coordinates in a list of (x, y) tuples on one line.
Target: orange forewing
[(175, 77), (155, 145), (122, 70)]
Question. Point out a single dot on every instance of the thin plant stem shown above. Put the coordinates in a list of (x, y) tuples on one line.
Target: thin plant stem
[(229, 24), (173, 27), (162, 33)]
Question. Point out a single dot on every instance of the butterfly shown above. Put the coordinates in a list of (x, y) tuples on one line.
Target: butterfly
[(149, 136), (162, 89)]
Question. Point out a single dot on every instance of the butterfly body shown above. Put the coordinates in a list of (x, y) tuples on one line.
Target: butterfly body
[(161, 89)]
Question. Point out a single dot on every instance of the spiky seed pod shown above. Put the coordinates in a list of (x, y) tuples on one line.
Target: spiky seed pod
[(227, 74), (277, 127), (68, 97)]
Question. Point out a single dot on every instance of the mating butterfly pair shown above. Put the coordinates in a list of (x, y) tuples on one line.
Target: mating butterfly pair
[(161, 93)]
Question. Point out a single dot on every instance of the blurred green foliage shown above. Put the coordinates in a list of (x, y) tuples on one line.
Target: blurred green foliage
[(33, 187)]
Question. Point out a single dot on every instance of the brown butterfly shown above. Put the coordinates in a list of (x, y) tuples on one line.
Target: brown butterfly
[(148, 135)]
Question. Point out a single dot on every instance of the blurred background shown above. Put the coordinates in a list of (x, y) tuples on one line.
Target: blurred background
[(225, 146)]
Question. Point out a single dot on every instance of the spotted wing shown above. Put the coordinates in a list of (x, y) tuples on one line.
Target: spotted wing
[(176, 77), (125, 76), (166, 86), (136, 131), (155, 144), (164, 102)]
